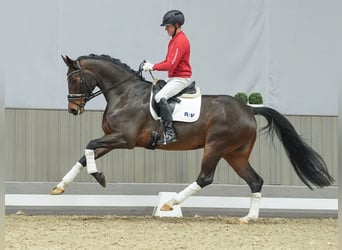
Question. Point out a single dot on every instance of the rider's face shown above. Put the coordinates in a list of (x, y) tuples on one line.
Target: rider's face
[(170, 29)]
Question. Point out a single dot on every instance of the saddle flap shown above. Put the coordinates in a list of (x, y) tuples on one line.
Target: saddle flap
[(185, 108)]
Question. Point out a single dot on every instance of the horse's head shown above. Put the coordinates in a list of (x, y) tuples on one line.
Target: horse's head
[(80, 83)]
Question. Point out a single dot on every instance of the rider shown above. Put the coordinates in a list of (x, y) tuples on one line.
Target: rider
[(178, 66)]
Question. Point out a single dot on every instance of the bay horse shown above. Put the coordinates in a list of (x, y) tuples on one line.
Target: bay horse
[(225, 129)]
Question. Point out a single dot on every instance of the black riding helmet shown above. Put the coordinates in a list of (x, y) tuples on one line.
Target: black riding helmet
[(173, 17)]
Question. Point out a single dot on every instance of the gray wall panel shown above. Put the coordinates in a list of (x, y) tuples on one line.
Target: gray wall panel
[(42, 145)]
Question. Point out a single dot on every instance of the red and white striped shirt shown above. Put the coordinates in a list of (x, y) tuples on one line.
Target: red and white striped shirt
[(177, 61)]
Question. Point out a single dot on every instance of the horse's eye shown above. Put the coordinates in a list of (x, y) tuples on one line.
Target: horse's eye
[(73, 81)]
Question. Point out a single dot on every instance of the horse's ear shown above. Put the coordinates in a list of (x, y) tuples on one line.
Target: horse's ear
[(69, 62)]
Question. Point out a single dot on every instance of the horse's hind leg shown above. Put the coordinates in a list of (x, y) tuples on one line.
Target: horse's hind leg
[(239, 162), (206, 177)]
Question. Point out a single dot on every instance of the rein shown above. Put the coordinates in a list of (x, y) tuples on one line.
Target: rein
[(72, 97), (99, 92)]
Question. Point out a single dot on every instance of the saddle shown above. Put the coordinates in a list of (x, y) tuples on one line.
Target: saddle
[(185, 107), (159, 84)]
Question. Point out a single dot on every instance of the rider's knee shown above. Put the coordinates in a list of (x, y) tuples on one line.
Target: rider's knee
[(157, 98)]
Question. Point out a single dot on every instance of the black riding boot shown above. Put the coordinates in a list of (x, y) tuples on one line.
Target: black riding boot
[(165, 113)]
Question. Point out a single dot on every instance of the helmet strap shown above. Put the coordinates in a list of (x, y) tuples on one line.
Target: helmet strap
[(176, 28)]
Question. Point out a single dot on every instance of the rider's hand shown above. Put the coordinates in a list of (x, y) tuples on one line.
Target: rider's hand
[(147, 66)]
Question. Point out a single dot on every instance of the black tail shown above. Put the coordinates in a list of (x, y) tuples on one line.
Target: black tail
[(308, 164)]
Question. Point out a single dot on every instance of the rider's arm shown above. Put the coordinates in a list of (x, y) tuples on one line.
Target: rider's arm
[(175, 53)]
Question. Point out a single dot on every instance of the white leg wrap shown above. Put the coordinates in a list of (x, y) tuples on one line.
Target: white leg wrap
[(184, 194), (70, 176), (254, 208), (90, 156)]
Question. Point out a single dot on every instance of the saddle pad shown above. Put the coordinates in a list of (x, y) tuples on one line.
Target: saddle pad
[(188, 110)]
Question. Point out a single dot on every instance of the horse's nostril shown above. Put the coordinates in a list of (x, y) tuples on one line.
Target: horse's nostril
[(73, 111)]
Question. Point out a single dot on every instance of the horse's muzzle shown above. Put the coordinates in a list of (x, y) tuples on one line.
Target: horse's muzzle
[(76, 111), (76, 104)]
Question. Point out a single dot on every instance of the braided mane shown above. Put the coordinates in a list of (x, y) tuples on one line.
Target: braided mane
[(112, 60)]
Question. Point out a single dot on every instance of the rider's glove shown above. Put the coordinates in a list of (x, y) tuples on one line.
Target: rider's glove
[(147, 66)]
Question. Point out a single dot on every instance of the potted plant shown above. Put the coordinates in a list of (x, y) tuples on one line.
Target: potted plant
[(255, 98), (242, 97)]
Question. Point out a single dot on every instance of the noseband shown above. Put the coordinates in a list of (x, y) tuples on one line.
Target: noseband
[(84, 97)]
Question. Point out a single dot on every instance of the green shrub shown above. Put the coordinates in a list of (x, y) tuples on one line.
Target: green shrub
[(242, 97), (255, 98)]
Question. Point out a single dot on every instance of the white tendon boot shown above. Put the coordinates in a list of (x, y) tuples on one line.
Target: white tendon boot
[(67, 179), (253, 209), (181, 196), (90, 157)]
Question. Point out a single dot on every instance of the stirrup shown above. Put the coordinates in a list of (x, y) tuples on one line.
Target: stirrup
[(166, 139)]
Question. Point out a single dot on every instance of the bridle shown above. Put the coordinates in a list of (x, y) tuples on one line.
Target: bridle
[(81, 96), (84, 96)]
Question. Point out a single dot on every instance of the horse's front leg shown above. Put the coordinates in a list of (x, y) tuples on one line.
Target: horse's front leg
[(67, 179), (76, 170), (94, 150)]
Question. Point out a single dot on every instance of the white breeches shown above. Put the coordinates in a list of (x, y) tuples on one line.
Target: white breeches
[(173, 87)]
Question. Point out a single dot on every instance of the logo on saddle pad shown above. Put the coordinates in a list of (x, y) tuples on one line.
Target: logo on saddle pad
[(185, 107), (186, 114)]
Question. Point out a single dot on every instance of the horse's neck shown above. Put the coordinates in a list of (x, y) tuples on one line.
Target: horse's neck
[(126, 91), (110, 80), (118, 83)]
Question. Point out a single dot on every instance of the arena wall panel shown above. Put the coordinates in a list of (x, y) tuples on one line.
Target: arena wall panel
[(42, 145)]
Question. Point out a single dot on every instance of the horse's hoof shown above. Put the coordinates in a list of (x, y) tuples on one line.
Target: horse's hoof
[(246, 220), (243, 221), (57, 191), (101, 179), (166, 207)]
